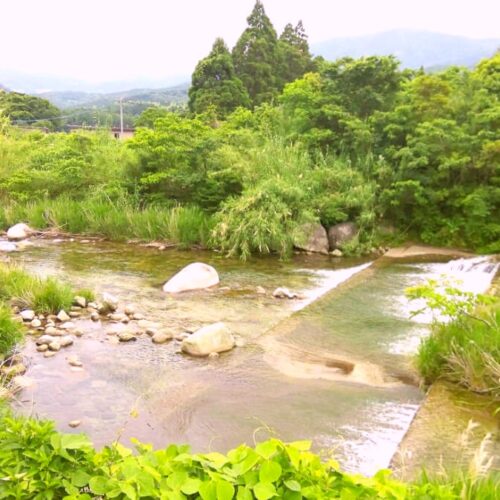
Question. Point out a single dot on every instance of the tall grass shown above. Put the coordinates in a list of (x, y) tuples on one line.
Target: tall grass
[(465, 351), (42, 295), (10, 330), (118, 221)]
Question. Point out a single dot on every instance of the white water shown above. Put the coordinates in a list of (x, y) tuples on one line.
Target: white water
[(469, 275), (326, 280)]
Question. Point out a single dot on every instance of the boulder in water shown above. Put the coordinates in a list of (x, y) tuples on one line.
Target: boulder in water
[(18, 232), (341, 233), (195, 276), (209, 339), (314, 239)]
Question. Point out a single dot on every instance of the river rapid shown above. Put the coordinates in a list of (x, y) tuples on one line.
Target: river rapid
[(333, 367)]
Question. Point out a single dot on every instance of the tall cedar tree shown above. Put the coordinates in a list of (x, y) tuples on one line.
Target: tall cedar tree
[(293, 53), (255, 57), (215, 84)]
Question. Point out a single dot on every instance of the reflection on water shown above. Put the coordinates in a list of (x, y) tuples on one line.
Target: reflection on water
[(217, 404)]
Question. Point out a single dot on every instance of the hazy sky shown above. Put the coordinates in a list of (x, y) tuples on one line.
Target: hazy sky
[(99, 40)]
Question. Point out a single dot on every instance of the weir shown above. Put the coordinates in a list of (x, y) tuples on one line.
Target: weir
[(332, 367)]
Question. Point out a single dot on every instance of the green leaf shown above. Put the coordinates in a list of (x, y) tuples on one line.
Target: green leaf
[(270, 472), (191, 486), (75, 441), (98, 485), (80, 478), (266, 449), (208, 490), (225, 490), (293, 485), (301, 445), (244, 494), (263, 491)]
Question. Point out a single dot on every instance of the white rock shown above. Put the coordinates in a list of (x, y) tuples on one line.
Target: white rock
[(282, 293), (109, 303), (129, 310), (54, 346), (195, 276), (336, 253), (68, 325), (210, 338), (19, 232), (36, 323), (65, 341), (62, 316), (44, 339), (27, 315), (80, 301)]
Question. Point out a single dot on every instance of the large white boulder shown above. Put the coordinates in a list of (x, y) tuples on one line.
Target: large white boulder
[(195, 276), (8, 246), (18, 232), (209, 339)]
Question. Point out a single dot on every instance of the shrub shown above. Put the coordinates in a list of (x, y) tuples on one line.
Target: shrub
[(10, 330)]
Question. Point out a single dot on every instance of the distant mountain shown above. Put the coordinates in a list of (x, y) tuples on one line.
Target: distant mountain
[(162, 96), (414, 49)]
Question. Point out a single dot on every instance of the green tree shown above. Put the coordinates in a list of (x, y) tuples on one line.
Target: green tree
[(293, 54), (28, 110), (215, 84), (255, 56)]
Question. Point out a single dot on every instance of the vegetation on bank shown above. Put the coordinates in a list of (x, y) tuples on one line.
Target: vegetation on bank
[(38, 462), (465, 349)]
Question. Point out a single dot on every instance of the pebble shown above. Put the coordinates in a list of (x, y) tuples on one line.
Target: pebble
[(27, 315), (65, 341), (54, 346), (126, 337), (213, 355), (68, 325), (74, 423), (161, 337), (74, 314), (42, 348), (44, 339), (138, 316), (62, 316), (49, 354), (117, 317), (94, 316), (74, 361), (80, 301), (129, 310), (36, 323), (260, 290)]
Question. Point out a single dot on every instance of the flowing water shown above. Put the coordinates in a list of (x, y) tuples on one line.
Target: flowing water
[(336, 372)]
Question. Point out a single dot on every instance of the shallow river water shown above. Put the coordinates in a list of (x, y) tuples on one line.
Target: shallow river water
[(333, 367)]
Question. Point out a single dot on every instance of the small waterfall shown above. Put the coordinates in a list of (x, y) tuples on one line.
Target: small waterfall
[(327, 280)]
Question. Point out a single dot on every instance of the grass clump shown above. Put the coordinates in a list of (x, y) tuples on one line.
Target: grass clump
[(86, 293), (466, 349), (11, 331), (27, 291)]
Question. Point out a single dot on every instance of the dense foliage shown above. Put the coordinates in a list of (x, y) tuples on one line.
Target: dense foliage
[(396, 152), (38, 462)]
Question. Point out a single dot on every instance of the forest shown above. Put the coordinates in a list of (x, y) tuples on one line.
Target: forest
[(272, 140)]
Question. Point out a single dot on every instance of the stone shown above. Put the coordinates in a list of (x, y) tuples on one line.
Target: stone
[(129, 310), (63, 316), (49, 354), (36, 323), (195, 276), (18, 232), (8, 246), (211, 338), (313, 238), (68, 325), (336, 253), (284, 293), (161, 337), (260, 290), (109, 303), (117, 317), (80, 301), (95, 316), (138, 316), (74, 361), (74, 314), (342, 233), (92, 305), (214, 355), (74, 423), (44, 339), (65, 341), (27, 315), (77, 333), (42, 348), (55, 346), (126, 336), (181, 336)]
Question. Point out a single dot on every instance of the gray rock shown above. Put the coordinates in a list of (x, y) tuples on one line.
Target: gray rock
[(19, 232), (45, 339), (336, 253), (109, 303), (314, 238), (210, 338), (342, 233), (80, 301), (63, 316), (27, 315), (195, 276)]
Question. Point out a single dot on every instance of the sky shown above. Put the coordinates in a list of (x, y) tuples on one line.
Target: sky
[(104, 40)]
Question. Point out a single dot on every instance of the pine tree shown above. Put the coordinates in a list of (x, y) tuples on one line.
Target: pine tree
[(215, 84), (255, 56), (294, 57)]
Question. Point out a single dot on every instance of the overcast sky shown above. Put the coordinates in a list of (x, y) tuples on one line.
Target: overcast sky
[(100, 40)]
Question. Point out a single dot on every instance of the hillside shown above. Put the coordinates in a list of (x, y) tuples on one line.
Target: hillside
[(413, 48)]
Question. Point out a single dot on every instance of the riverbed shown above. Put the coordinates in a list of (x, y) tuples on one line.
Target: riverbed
[(333, 366)]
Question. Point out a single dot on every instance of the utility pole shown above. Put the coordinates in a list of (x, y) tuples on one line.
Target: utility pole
[(121, 117)]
